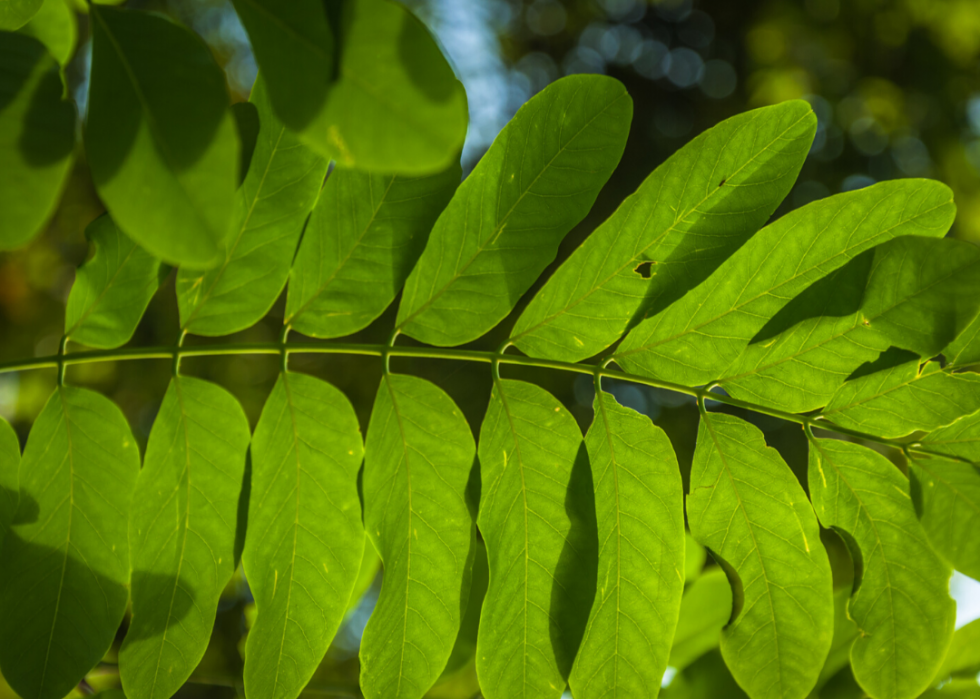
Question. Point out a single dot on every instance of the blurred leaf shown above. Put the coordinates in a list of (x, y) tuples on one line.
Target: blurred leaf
[(111, 290), (368, 571), (9, 476), (960, 438), (901, 602), (503, 226), (417, 463), (963, 657), (363, 239), (55, 26), (694, 558), (37, 138), (706, 678), (247, 121), (705, 610), (280, 189), (537, 517), (747, 508), (305, 540), (465, 647), (14, 14), (65, 573), (898, 401), (160, 140), (686, 218), (699, 337), (956, 689), (639, 501), (182, 534)]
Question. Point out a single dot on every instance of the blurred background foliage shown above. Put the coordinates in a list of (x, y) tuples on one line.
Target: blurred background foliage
[(895, 85)]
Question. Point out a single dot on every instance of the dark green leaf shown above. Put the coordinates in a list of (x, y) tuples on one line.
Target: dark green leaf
[(111, 290), (901, 603), (160, 139), (182, 534), (281, 187), (705, 610), (65, 573), (9, 478), (537, 517), (247, 122), (37, 138), (685, 219), (305, 539), (363, 239), (961, 438), (417, 463), (639, 500), (748, 509), (14, 14), (54, 26)]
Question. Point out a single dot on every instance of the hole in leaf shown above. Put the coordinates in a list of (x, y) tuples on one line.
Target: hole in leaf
[(738, 592), (645, 269)]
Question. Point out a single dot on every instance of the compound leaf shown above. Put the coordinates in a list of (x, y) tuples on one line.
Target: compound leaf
[(55, 26), (182, 534), (901, 603), (685, 219), (698, 338), (748, 509), (639, 500), (947, 499), (363, 239), (9, 476), (14, 14), (537, 517), (960, 439), (417, 464), (280, 189), (161, 140), (897, 401), (705, 610), (305, 541), (65, 573), (111, 290), (503, 226), (37, 137)]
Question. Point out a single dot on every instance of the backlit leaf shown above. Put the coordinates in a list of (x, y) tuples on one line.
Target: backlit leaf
[(965, 349), (901, 603), (694, 558), (65, 573), (685, 219), (160, 139), (417, 464), (305, 540), (748, 509), (368, 571), (961, 438), (182, 534), (9, 478), (54, 26), (537, 517), (639, 500), (503, 226), (16, 13), (963, 657), (705, 609)]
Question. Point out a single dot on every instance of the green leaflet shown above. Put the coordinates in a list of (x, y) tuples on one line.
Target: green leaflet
[(911, 292), (111, 290), (305, 540), (396, 107), (901, 603), (160, 140), (9, 478), (16, 13), (705, 610), (37, 137), (960, 438), (845, 631), (694, 558), (366, 573), (897, 401), (748, 509), (698, 338), (639, 501), (363, 239), (956, 689), (55, 26), (707, 678), (503, 226), (417, 464), (272, 204), (946, 494), (464, 648), (65, 573), (294, 48), (686, 218), (963, 657), (965, 349), (182, 534), (537, 517)]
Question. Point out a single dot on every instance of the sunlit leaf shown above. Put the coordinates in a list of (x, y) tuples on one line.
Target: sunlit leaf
[(65, 573), (503, 226), (417, 464), (363, 239), (282, 184), (182, 534), (537, 517), (901, 603), (54, 26), (694, 558), (37, 137), (111, 290), (639, 501), (961, 439), (9, 478), (305, 540), (705, 609), (16, 13), (686, 218), (160, 139), (699, 337), (748, 509), (965, 349)]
